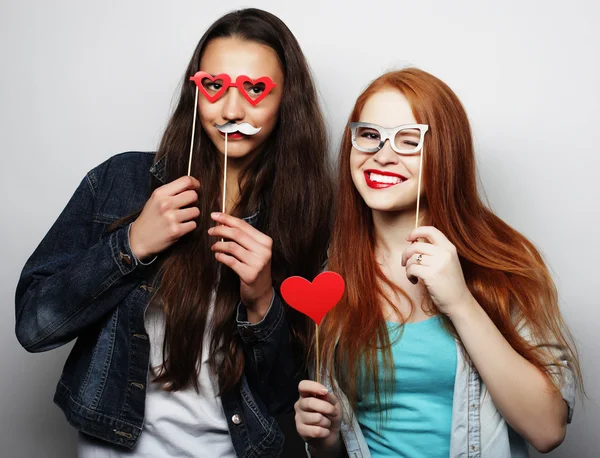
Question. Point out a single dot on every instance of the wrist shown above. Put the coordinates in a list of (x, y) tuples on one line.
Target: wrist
[(331, 446), (258, 308), (464, 309), (137, 249)]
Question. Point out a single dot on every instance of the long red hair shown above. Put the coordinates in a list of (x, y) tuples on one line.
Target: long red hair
[(503, 270)]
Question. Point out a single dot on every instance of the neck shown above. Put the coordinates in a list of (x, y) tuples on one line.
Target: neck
[(392, 228)]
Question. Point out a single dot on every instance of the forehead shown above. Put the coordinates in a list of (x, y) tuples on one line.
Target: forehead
[(236, 57), (387, 108)]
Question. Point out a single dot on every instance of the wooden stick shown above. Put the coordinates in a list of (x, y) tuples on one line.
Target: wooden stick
[(317, 354), (419, 186), (193, 132), (225, 176)]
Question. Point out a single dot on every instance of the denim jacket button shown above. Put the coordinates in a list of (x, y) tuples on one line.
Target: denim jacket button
[(125, 258), (236, 419)]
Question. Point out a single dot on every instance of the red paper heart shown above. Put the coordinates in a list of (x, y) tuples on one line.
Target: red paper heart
[(313, 299)]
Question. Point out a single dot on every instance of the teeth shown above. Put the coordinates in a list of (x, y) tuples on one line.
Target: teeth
[(384, 179)]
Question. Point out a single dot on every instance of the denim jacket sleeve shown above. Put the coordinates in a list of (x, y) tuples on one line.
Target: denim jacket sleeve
[(75, 276), (271, 366)]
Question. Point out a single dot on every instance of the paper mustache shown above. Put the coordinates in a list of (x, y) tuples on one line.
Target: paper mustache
[(243, 128)]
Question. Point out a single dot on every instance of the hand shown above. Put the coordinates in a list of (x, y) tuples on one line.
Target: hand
[(247, 251), (163, 220), (318, 416), (439, 268)]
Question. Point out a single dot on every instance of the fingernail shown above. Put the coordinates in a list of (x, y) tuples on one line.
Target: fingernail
[(210, 230), (323, 392), (214, 215)]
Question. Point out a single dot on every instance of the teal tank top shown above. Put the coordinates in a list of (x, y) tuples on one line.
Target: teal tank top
[(417, 418)]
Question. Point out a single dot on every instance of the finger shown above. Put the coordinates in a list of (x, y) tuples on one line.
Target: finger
[(187, 214), (179, 230), (235, 250), (242, 225), (312, 432), (424, 260), (416, 248), (433, 235), (416, 271), (242, 238), (314, 419), (311, 388), (316, 405), (246, 273), (179, 185), (320, 406), (184, 199)]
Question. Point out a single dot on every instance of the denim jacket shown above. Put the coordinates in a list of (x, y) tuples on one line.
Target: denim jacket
[(84, 282), (478, 430)]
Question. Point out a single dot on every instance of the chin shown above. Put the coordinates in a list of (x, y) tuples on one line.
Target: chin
[(382, 206), (391, 207), (241, 154)]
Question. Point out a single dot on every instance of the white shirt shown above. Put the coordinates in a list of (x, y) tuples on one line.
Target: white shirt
[(176, 424)]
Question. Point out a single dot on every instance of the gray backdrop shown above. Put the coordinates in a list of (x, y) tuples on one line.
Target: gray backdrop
[(84, 80)]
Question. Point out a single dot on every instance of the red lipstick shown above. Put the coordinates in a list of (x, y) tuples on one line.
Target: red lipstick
[(233, 136), (378, 179)]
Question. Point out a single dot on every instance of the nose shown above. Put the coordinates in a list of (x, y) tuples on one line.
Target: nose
[(386, 155), (233, 105)]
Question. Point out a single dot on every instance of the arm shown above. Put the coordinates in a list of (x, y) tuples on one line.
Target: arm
[(319, 419), (75, 277), (71, 280), (270, 363), (523, 394)]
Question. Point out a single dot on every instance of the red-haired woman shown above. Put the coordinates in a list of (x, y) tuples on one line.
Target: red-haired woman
[(449, 340)]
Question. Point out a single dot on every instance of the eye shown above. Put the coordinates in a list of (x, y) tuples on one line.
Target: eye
[(407, 139), (254, 90), (369, 134), (211, 86)]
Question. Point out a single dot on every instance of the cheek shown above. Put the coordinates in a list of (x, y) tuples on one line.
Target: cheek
[(266, 118), (412, 163), (206, 112), (356, 162)]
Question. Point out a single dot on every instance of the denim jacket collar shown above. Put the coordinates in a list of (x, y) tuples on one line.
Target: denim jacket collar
[(158, 170)]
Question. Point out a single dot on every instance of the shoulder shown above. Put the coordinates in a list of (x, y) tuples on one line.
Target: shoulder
[(132, 166), (122, 183), (125, 163)]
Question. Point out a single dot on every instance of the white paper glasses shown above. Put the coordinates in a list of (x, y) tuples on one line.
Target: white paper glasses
[(404, 139)]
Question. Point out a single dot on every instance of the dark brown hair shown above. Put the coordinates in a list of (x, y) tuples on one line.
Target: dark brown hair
[(502, 268), (288, 182)]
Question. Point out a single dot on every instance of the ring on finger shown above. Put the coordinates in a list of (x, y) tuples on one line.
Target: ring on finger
[(419, 259)]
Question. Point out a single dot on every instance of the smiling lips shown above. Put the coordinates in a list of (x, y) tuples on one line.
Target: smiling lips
[(376, 179)]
